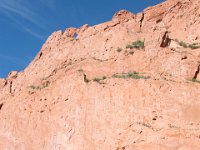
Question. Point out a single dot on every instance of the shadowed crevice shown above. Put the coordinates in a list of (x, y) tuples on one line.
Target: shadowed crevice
[(197, 72), (141, 21), (165, 40), (1, 105)]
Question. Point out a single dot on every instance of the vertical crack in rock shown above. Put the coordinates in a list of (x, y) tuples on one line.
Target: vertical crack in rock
[(165, 40), (1, 105), (197, 72), (40, 55), (141, 21), (10, 87)]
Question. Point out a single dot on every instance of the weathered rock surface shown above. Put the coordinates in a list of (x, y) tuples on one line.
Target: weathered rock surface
[(68, 98)]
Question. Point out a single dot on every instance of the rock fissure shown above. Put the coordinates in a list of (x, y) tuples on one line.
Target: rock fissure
[(165, 40), (10, 87), (197, 72), (1, 105), (141, 21)]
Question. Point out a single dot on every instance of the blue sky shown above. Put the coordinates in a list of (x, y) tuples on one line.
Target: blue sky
[(25, 24)]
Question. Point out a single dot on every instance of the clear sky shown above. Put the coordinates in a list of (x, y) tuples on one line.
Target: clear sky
[(26, 24)]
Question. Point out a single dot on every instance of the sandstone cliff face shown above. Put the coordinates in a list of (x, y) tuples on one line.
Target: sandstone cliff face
[(82, 92)]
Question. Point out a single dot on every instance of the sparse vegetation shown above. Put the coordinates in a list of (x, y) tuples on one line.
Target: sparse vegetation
[(145, 125), (185, 45), (86, 80), (194, 46), (44, 85), (133, 75), (195, 80), (130, 46), (137, 45), (99, 79), (119, 49), (100, 60)]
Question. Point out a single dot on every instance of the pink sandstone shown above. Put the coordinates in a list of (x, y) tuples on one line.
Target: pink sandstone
[(62, 102)]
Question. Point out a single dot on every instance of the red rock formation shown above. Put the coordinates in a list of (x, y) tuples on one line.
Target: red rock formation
[(82, 92)]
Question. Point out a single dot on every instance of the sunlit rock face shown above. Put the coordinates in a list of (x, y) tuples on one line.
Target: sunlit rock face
[(131, 83)]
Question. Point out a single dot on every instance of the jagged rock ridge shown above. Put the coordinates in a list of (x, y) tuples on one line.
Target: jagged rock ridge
[(129, 83)]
